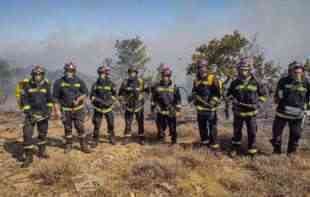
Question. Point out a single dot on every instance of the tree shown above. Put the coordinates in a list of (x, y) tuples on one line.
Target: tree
[(307, 65), (5, 79), (223, 52), (130, 52), (227, 52)]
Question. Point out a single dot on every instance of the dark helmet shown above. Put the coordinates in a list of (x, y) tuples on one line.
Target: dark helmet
[(70, 67), (104, 70), (37, 70), (132, 69), (294, 65)]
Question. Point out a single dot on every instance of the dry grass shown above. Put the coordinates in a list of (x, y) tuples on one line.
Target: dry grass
[(52, 173), (157, 170)]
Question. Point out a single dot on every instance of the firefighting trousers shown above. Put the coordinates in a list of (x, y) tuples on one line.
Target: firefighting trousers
[(129, 116), (207, 124), (251, 125), (163, 122), (75, 118), (97, 120), (28, 130), (295, 132)]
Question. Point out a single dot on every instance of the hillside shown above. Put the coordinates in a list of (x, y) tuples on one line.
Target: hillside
[(151, 170)]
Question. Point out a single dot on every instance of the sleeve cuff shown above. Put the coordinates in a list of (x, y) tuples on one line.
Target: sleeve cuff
[(263, 98), (26, 108)]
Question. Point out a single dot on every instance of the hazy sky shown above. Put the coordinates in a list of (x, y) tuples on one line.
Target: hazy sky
[(52, 32)]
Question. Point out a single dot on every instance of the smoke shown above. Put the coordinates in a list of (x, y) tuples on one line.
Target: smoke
[(282, 27)]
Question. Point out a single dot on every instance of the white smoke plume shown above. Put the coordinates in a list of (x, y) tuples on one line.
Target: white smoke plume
[(282, 26)]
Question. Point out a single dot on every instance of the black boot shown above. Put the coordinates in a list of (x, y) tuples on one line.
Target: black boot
[(42, 152), (68, 148), (95, 142), (127, 136), (173, 140), (28, 158), (291, 150), (141, 140), (84, 146), (112, 139), (276, 147)]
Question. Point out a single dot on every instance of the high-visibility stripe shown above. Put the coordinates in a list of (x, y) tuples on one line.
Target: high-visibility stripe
[(296, 87), (252, 151), (73, 108), (247, 87), (42, 142), (69, 136), (104, 110), (236, 142), (263, 98), (26, 107), (215, 98), (215, 146), (108, 88), (201, 108), (245, 114), (134, 109), (169, 90), (28, 146), (281, 115), (164, 112), (82, 135), (67, 85), (34, 90)]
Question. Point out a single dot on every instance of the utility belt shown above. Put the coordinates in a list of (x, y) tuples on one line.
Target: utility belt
[(37, 117), (166, 111), (290, 112)]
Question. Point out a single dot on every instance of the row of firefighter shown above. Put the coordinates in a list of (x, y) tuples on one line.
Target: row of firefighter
[(66, 99)]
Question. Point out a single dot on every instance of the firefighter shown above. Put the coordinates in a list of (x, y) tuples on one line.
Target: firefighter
[(166, 103), (103, 97), (246, 93), (70, 92), (36, 102), (206, 94), (292, 97), (131, 95)]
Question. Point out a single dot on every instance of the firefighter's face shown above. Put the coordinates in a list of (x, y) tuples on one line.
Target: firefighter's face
[(70, 74), (298, 74), (166, 78), (38, 77), (132, 74), (103, 75), (244, 73)]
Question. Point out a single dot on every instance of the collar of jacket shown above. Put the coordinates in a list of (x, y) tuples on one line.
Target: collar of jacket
[(165, 84)]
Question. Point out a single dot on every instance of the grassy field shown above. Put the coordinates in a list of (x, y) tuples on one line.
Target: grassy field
[(151, 170)]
